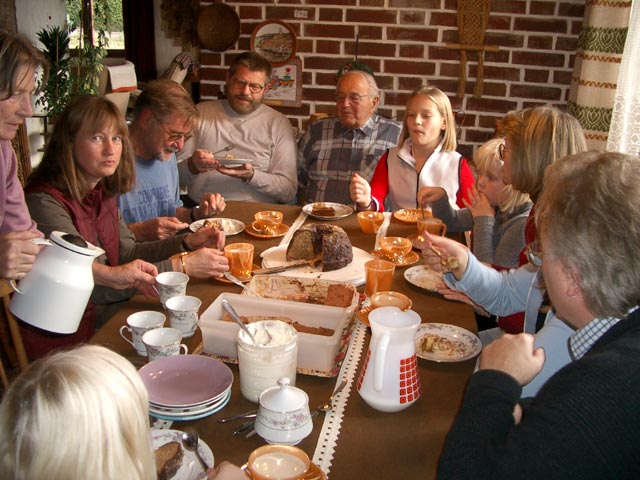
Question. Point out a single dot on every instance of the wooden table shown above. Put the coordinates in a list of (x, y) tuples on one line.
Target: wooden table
[(371, 444)]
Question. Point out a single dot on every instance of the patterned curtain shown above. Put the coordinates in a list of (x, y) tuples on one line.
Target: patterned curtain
[(624, 134), (595, 74)]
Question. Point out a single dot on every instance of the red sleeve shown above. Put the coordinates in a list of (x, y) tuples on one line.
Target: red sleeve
[(380, 182), (466, 181), (515, 323)]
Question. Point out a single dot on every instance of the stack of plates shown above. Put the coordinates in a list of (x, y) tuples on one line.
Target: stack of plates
[(186, 387)]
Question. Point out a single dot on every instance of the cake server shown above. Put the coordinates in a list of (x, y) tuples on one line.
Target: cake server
[(302, 263)]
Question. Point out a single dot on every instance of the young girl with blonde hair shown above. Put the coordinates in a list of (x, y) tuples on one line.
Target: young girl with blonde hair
[(425, 156), (496, 212)]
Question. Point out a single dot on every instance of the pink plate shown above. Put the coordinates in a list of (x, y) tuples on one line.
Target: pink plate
[(185, 380)]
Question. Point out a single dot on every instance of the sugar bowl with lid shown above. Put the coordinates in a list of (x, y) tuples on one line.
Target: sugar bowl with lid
[(283, 416)]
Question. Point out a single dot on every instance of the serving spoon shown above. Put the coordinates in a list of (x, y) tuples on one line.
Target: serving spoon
[(232, 311), (190, 441)]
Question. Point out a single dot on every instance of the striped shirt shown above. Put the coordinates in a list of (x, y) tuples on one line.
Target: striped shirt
[(329, 153)]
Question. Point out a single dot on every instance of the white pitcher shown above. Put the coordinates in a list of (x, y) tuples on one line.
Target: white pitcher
[(54, 294), (389, 380)]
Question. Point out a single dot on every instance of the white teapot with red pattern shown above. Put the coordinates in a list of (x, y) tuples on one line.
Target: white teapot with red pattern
[(389, 380)]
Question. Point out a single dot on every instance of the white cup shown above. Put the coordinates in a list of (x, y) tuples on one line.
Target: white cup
[(183, 313), (138, 324), (163, 342), (171, 284)]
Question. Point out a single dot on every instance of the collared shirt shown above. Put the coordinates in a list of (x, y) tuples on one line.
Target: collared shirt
[(329, 153), (584, 338)]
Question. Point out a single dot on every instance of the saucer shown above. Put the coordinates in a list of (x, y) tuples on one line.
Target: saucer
[(224, 279), (314, 473), (409, 259), (410, 215), (417, 241), (363, 315), (280, 231)]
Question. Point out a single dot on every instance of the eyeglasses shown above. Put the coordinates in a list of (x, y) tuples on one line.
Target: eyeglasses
[(176, 136), (501, 150), (241, 85), (534, 254), (354, 98)]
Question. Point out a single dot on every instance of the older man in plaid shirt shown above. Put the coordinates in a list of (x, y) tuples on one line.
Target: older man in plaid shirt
[(335, 147)]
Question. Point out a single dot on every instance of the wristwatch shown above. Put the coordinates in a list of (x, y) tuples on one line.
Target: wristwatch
[(248, 179)]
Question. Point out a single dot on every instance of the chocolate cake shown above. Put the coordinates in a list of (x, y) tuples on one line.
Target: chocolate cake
[(315, 239)]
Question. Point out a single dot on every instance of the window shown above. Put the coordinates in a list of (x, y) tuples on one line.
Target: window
[(100, 20)]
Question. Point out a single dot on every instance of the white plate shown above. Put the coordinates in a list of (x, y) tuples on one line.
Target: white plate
[(191, 409), (340, 209), (190, 468), (467, 344), (423, 277), (352, 273), (229, 226), (190, 416), (233, 162), (185, 380)]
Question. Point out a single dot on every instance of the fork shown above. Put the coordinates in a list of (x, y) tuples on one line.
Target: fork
[(225, 149)]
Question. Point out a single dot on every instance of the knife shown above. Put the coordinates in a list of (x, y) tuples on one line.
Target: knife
[(302, 263)]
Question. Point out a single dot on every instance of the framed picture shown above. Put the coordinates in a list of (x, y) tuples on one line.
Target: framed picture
[(286, 87), (275, 40)]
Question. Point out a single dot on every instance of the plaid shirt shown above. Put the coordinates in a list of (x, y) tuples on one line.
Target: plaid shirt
[(584, 338), (329, 153)]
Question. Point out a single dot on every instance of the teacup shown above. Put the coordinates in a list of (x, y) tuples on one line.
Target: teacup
[(433, 225), (378, 276), (396, 248), (138, 324), (183, 314), (163, 342), (370, 222), (267, 221), (240, 256), (391, 299), (171, 284), (283, 462)]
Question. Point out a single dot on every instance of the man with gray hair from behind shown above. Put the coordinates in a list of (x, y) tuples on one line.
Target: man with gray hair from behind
[(583, 423), (334, 148)]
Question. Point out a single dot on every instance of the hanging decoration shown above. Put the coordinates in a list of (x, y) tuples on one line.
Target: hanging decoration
[(473, 16)]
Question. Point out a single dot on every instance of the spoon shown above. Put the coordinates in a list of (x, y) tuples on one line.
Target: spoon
[(232, 278), (231, 311), (225, 149), (190, 441), (329, 405)]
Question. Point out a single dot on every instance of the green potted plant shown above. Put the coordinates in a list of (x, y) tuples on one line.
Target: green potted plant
[(71, 72), (57, 91)]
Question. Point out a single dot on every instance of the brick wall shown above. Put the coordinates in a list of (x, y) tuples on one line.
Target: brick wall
[(404, 42)]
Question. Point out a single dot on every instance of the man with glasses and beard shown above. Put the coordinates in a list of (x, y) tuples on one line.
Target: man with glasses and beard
[(163, 117), (333, 148), (259, 140)]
